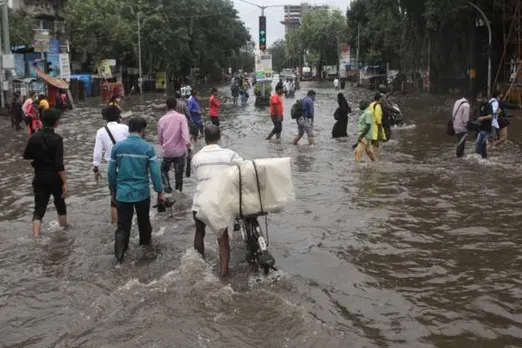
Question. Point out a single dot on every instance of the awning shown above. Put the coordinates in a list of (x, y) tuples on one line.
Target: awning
[(58, 83)]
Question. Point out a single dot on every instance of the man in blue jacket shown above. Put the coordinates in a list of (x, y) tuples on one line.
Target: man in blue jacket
[(132, 160)]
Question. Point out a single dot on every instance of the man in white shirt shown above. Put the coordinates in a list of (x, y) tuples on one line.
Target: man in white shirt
[(208, 163), (106, 137), (336, 84), (461, 111)]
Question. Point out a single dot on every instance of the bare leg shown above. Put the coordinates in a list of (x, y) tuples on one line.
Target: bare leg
[(311, 141), (224, 253), (199, 237), (62, 220), (296, 139), (114, 215), (37, 226)]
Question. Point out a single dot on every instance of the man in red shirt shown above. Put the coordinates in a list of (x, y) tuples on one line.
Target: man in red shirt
[(276, 113), (214, 105)]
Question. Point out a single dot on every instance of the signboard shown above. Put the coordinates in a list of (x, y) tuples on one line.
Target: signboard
[(65, 66), (104, 68), (263, 67), (161, 80), (42, 40), (344, 59)]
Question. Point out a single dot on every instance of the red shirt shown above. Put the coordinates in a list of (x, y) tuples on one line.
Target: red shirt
[(276, 106), (214, 104)]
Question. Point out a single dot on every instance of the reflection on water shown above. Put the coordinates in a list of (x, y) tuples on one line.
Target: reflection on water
[(419, 250)]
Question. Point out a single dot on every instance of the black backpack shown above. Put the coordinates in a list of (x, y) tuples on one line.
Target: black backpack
[(297, 110)]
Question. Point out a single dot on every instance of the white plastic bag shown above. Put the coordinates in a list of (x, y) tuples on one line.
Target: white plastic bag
[(220, 202)]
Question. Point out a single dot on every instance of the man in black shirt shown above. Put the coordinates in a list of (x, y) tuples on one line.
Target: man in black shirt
[(45, 148)]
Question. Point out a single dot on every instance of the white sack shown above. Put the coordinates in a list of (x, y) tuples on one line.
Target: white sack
[(219, 203)]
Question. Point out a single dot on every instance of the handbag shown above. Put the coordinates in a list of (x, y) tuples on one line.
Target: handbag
[(450, 130)]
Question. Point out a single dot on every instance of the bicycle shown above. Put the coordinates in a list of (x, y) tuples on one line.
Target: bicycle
[(256, 243), (257, 246)]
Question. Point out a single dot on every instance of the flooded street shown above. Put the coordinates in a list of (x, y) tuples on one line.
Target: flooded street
[(420, 250)]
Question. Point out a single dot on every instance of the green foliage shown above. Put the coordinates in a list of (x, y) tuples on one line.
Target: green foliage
[(21, 28), (176, 36), (319, 34), (279, 57)]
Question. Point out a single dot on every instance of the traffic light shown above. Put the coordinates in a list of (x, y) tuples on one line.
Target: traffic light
[(48, 67), (262, 33)]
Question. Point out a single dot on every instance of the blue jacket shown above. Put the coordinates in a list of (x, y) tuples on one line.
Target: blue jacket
[(308, 108), (131, 162)]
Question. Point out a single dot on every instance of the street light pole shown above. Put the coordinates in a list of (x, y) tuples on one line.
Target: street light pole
[(140, 70), (490, 39)]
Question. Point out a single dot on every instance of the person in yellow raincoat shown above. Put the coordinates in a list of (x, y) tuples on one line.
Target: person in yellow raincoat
[(378, 133)]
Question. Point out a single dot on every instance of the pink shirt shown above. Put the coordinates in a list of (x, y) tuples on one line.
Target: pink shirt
[(26, 108), (173, 134)]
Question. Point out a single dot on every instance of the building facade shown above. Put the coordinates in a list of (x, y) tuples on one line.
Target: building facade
[(295, 13)]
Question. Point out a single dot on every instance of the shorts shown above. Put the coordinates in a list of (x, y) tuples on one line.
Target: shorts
[(215, 121), (196, 129), (305, 125)]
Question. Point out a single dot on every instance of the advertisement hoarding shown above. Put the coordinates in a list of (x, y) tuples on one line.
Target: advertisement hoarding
[(263, 67)]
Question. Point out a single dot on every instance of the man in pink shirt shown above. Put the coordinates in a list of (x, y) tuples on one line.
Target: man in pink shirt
[(174, 138)]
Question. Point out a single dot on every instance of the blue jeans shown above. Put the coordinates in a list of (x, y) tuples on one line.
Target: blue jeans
[(481, 144)]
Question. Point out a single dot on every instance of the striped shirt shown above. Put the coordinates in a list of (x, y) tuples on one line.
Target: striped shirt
[(208, 163)]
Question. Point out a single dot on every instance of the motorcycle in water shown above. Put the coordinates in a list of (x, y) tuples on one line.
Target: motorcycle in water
[(392, 118)]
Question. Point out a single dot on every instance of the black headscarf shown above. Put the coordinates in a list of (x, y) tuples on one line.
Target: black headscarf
[(343, 104)]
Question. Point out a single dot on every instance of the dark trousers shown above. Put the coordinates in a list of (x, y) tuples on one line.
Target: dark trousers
[(46, 184), (461, 143), (179, 168), (122, 235), (215, 121), (278, 125)]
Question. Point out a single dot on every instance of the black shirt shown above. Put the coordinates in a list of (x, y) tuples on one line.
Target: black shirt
[(45, 148)]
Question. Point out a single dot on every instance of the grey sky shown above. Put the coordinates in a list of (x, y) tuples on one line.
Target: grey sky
[(274, 29)]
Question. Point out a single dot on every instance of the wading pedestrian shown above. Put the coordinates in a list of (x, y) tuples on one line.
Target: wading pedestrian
[(174, 138), (106, 138), (45, 149), (132, 165), (208, 163), (461, 110), (305, 123), (276, 113)]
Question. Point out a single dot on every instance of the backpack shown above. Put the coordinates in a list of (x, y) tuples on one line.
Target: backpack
[(297, 110)]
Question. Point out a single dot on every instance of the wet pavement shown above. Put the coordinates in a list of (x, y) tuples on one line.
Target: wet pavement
[(421, 250)]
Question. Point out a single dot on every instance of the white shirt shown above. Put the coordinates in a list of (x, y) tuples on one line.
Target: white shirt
[(104, 144), (461, 115), (336, 83), (208, 163), (188, 91)]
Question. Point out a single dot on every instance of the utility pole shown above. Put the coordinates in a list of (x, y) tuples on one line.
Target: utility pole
[(490, 39), (7, 42), (140, 70)]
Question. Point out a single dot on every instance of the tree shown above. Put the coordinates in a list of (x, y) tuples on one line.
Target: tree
[(21, 28), (319, 34), (279, 58), (176, 37)]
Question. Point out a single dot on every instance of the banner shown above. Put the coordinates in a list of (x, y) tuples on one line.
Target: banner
[(41, 40), (104, 68), (344, 59), (65, 66), (161, 80), (263, 67)]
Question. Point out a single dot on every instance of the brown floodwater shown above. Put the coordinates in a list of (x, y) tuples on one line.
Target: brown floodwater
[(419, 250)]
